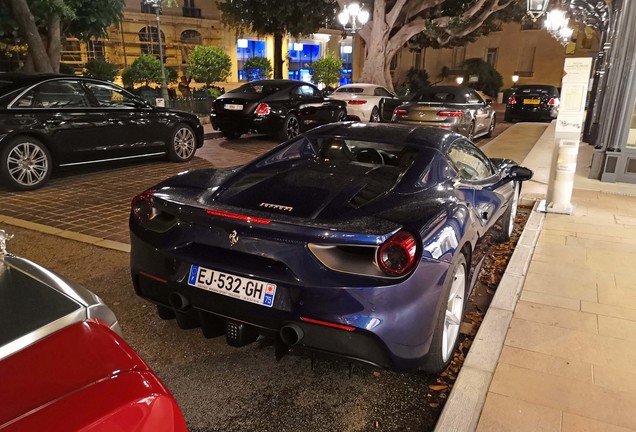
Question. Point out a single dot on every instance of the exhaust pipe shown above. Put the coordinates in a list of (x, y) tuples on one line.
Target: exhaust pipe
[(291, 334), (178, 301)]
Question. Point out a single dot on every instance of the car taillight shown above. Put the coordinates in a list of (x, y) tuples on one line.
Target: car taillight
[(142, 208), (400, 111), (396, 256), (262, 109), (512, 100), (357, 102), (450, 113), (213, 107), (552, 102)]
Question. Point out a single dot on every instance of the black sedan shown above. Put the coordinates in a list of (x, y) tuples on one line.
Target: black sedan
[(282, 108), (50, 120), (356, 239), (536, 102)]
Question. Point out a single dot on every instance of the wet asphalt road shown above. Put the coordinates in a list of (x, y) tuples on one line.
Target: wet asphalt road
[(221, 388)]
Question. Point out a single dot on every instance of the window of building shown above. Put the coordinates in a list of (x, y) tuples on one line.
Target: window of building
[(95, 49), (346, 57), (417, 60), (301, 56), (189, 38), (525, 61), (459, 55), (245, 49), (190, 10), (491, 57), (149, 41)]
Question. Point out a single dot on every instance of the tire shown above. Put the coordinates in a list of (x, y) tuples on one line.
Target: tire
[(183, 144), (491, 128), (508, 117), (230, 133), (508, 219), (447, 322), (25, 163), (291, 127), (341, 116), (375, 115)]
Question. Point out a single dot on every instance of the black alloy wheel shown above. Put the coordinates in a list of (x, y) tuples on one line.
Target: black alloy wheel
[(291, 127), (491, 128), (471, 131), (375, 115)]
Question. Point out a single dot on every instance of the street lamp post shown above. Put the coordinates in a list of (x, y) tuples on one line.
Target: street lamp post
[(156, 4), (536, 8), (353, 17)]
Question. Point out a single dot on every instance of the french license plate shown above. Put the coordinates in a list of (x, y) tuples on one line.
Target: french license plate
[(234, 107), (250, 290), (532, 101)]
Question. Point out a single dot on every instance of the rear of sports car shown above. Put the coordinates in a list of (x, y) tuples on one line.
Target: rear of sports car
[(248, 259)]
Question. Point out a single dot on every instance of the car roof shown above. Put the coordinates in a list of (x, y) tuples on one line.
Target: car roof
[(429, 137), (362, 85)]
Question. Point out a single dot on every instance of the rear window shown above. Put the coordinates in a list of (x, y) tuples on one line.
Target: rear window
[(439, 96), (349, 90), (542, 90), (259, 88)]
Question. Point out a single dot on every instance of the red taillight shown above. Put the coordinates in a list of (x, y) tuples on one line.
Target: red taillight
[(262, 109), (142, 208), (512, 100), (400, 111), (244, 218), (450, 113), (327, 324), (552, 102), (396, 256), (357, 102)]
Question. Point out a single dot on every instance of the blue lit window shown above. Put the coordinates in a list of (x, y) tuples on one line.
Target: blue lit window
[(245, 49)]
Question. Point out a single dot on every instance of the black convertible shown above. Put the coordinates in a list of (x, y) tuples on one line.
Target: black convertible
[(282, 108)]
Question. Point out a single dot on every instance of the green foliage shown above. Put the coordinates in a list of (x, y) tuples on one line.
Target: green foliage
[(209, 64), (172, 75), (144, 70), (257, 68), (270, 17), (490, 81), (100, 69), (435, 35), (326, 70), (415, 81)]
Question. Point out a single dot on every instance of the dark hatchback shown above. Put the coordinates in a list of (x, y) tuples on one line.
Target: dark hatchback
[(282, 108), (51, 120), (535, 102)]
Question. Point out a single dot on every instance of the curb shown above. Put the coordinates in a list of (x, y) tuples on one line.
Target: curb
[(466, 401), (96, 241)]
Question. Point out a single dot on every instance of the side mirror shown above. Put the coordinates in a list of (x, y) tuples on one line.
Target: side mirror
[(488, 101), (520, 173)]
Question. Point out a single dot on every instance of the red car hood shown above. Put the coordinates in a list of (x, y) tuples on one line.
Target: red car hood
[(84, 378)]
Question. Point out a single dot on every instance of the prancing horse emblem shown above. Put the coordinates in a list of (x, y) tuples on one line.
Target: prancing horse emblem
[(233, 238)]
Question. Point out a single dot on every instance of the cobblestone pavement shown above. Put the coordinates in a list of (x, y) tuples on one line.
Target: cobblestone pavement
[(95, 200)]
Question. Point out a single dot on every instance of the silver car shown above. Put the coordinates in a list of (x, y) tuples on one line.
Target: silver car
[(460, 109)]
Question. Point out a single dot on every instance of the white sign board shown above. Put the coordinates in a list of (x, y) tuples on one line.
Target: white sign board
[(160, 102), (576, 78)]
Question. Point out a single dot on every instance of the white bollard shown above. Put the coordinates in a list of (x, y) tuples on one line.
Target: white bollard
[(564, 177)]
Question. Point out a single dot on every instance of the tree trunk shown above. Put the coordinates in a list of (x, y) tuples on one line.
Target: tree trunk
[(54, 42), (27, 66), (28, 29), (278, 55)]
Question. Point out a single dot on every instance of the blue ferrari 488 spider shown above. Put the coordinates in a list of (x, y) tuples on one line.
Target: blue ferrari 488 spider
[(360, 240)]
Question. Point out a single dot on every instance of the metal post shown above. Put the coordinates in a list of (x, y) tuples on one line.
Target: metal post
[(164, 84)]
